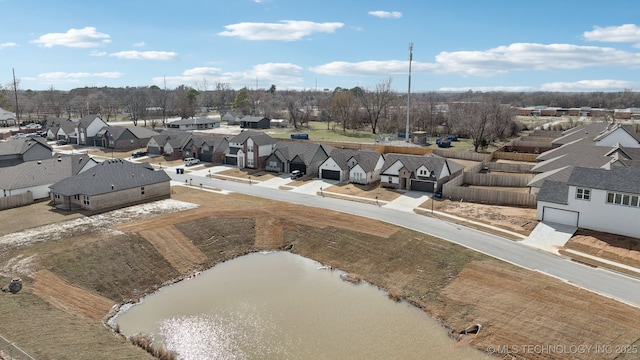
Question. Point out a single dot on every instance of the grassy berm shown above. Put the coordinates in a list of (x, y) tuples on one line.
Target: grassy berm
[(75, 276)]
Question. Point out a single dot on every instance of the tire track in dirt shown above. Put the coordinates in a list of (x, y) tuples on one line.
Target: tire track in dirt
[(268, 233), (69, 298), (179, 251)]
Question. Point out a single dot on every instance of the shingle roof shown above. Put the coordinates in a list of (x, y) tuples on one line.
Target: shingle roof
[(556, 192), (20, 146), (108, 176), (42, 172), (194, 121), (137, 131), (431, 161), (306, 151), (589, 131), (342, 156), (367, 159), (623, 179), (259, 138)]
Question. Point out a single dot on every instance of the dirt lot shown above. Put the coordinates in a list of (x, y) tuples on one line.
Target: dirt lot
[(621, 249), (73, 274)]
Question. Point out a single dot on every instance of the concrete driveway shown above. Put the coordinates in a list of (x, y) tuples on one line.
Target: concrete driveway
[(314, 186), (275, 182), (550, 236), (408, 201)]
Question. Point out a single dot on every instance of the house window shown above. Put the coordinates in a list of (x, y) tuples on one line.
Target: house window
[(623, 199), (390, 180), (250, 162), (205, 148), (142, 190), (249, 148), (85, 200), (584, 194)]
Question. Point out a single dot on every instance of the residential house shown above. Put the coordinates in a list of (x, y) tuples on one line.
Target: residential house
[(36, 176), (365, 167), (422, 173), (67, 131), (356, 166), (17, 151), (288, 156), (606, 200), (232, 117), (7, 118), (124, 137), (255, 122), (111, 184), (206, 148), (170, 143), (87, 129), (199, 123), (336, 166), (250, 150)]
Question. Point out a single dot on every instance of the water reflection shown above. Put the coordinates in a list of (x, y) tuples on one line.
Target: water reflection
[(281, 306)]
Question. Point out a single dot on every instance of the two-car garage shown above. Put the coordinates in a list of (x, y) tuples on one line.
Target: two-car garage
[(560, 216), (330, 174)]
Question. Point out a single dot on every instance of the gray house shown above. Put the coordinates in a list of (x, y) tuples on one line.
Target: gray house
[(206, 148), (232, 117), (199, 123), (111, 184), (87, 129), (422, 173), (255, 122), (303, 156), (16, 151), (249, 149), (124, 137)]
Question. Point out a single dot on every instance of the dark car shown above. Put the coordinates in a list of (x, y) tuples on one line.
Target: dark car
[(295, 174), (139, 153), (61, 142)]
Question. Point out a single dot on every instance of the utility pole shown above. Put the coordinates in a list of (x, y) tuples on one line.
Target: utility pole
[(406, 133), (15, 92)]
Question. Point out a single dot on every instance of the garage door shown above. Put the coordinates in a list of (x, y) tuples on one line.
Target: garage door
[(418, 185), (331, 174), (560, 216), (231, 160), (301, 167)]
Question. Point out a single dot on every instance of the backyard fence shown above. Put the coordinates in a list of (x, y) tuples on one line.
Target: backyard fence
[(10, 351), (12, 201), (462, 155)]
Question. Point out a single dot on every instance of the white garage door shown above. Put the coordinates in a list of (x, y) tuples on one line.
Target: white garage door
[(560, 216)]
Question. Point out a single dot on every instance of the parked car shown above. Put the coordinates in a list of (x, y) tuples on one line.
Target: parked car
[(295, 174), (61, 142), (138, 153), (191, 161)]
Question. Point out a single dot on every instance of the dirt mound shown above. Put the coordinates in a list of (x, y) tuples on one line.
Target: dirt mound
[(175, 247)]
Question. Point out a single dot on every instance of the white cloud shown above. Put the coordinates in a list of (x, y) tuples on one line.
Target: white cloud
[(7, 45), (373, 67), (139, 44), (622, 33), (60, 77), (145, 55), (487, 88), (283, 74), (588, 85), (97, 53), (79, 38), (386, 14), (287, 30)]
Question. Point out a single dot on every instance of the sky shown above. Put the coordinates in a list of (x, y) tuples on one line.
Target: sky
[(492, 45)]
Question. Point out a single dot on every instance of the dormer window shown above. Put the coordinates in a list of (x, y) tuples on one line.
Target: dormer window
[(583, 194)]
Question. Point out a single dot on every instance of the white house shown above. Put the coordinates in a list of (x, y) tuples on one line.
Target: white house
[(87, 128), (199, 123), (250, 150), (365, 167), (621, 135), (7, 118), (421, 173), (336, 166), (594, 198)]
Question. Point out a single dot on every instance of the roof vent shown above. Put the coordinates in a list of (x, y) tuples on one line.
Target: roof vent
[(39, 162)]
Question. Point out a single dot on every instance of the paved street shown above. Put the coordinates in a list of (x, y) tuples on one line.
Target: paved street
[(604, 282)]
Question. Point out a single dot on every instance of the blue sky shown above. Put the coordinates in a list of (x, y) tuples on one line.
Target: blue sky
[(561, 45)]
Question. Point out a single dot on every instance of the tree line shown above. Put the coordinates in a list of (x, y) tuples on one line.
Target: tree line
[(481, 116)]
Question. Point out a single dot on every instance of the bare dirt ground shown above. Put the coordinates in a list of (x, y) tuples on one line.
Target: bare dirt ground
[(370, 191), (520, 220), (111, 261), (621, 249)]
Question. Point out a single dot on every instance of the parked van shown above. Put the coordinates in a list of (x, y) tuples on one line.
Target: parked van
[(191, 161)]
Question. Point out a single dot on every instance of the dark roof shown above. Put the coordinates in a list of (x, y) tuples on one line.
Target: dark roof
[(42, 172), (259, 138), (367, 159), (250, 118), (589, 131), (623, 179), (137, 131), (21, 146), (342, 156), (413, 162), (108, 176), (304, 150), (87, 119), (556, 192)]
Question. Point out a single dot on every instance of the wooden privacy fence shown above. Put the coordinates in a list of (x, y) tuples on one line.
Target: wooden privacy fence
[(508, 167), (513, 156), (495, 180), (486, 196), (462, 155), (12, 201)]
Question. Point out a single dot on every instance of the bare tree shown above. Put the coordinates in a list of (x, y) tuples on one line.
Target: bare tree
[(375, 103)]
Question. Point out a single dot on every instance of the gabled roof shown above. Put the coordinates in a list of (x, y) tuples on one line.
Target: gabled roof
[(259, 138), (109, 176), (139, 132), (623, 179), (304, 150), (413, 162), (250, 118), (217, 143), (560, 174), (21, 146), (87, 119), (6, 115), (556, 192), (589, 131), (341, 157), (42, 172), (367, 159)]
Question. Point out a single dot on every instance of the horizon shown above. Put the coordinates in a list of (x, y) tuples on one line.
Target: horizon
[(567, 47)]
